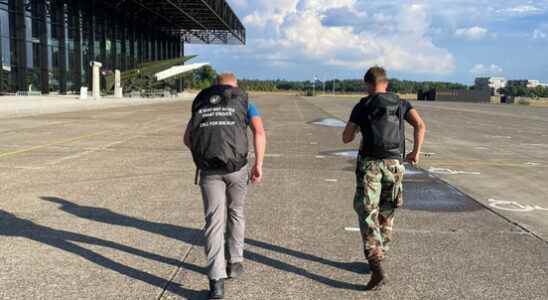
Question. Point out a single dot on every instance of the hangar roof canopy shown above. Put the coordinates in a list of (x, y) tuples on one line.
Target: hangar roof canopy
[(196, 21)]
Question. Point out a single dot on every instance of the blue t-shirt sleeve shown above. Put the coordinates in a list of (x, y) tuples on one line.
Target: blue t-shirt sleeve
[(252, 112)]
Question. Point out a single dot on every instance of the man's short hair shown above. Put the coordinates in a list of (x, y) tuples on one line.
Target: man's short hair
[(226, 78), (375, 75)]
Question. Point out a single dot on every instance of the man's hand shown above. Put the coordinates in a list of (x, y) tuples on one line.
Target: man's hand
[(256, 174), (413, 158), (349, 133)]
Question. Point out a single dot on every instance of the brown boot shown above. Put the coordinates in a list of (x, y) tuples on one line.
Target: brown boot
[(377, 275)]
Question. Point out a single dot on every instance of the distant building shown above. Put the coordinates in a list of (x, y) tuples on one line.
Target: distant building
[(530, 84), (473, 96), (490, 83)]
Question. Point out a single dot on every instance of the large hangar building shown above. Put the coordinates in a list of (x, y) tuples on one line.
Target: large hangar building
[(48, 45)]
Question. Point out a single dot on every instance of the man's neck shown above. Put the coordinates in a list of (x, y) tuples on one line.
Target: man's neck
[(378, 92)]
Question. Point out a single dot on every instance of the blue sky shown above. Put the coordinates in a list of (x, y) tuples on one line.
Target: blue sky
[(445, 40)]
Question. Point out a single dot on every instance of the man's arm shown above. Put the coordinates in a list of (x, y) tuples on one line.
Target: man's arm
[(349, 133), (419, 131), (188, 137), (259, 142)]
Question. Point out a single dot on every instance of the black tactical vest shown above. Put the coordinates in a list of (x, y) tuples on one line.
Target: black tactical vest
[(219, 129)]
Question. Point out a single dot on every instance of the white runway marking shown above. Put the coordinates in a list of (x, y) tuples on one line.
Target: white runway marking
[(350, 153), (331, 180), (352, 229), (514, 206), (320, 156), (451, 172), (409, 172), (331, 122), (501, 136), (417, 231), (313, 143), (532, 164)]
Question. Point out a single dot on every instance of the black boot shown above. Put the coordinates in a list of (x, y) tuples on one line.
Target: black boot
[(235, 270), (378, 279), (217, 289)]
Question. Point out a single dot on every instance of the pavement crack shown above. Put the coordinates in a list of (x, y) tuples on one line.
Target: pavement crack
[(185, 256)]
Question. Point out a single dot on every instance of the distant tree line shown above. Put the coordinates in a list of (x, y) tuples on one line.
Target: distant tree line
[(344, 86), (517, 89), (206, 76)]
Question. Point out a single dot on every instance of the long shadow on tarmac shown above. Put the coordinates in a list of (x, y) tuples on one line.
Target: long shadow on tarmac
[(193, 237), (11, 225)]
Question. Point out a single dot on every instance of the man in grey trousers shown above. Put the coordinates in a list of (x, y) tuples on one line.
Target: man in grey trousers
[(217, 137)]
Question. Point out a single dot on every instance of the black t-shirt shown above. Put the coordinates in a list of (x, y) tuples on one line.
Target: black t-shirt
[(359, 117)]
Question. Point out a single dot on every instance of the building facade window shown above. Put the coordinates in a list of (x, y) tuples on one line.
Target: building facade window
[(5, 44), (48, 45)]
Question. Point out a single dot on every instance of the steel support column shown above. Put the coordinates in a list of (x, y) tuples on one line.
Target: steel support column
[(154, 51), (140, 47), (123, 51), (77, 35), (180, 52), (131, 29), (60, 26), (90, 23), (18, 46), (114, 38), (103, 42), (43, 46)]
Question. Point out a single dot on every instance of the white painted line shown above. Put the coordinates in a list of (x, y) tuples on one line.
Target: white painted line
[(331, 180), (501, 136), (313, 143), (351, 153), (451, 172), (352, 229), (532, 164), (320, 156), (514, 206), (331, 122), (28, 168), (411, 172)]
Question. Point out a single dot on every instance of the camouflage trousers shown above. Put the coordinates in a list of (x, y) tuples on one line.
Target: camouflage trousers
[(379, 191)]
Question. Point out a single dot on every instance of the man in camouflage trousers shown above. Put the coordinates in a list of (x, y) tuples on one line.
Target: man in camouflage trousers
[(379, 173)]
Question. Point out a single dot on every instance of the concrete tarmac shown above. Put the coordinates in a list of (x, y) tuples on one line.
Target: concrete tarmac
[(101, 205), (495, 153)]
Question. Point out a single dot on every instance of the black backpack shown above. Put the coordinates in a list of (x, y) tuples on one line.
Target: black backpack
[(219, 129), (385, 137)]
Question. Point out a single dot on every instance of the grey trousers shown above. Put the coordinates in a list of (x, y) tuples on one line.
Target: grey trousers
[(224, 199)]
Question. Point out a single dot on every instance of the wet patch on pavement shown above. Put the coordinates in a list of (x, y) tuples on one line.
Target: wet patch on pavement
[(428, 193)]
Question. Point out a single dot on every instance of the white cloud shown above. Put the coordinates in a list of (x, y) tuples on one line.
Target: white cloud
[(486, 70), (293, 38), (302, 31), (521, 10), (472, 33), (541, 32)]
